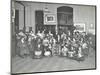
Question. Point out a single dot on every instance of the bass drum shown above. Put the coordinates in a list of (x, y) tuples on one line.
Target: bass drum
[(47, 53), (37, 54)]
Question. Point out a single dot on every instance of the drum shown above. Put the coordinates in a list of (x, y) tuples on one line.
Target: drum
[(47, 53), (37, 54)]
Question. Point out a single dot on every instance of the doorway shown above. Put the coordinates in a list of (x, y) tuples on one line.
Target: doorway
[(65, 19)]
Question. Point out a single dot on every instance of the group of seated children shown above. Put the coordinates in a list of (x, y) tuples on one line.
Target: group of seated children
[(73, 46)]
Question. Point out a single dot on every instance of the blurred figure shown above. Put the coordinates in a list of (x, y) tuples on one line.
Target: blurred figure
[(24, 51), (19, 41)]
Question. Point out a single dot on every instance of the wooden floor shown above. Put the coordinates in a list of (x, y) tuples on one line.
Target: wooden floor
[(55, 63)]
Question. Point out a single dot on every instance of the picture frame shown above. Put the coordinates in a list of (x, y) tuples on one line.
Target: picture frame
[(49, 19), (80, 27), (46, 26)]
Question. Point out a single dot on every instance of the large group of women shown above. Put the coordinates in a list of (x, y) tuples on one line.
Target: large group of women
[(73, 46)]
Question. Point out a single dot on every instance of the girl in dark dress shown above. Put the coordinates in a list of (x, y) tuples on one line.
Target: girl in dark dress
[(24, 50)]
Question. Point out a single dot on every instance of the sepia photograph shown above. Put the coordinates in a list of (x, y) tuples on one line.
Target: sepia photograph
[(52, 37)]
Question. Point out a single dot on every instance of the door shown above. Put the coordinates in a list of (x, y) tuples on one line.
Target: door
[(38, 20), (65, 18)]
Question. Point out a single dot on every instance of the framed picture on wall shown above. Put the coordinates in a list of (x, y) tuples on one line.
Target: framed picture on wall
[(80, 27), (49, 19)]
